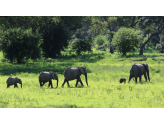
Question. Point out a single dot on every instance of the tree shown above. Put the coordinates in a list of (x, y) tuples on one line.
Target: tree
[(57, 32), (160, 46), (127, 39), (19, 45), (55, 37), (80, 45), (101, 42), (116, 22), (154, 24)]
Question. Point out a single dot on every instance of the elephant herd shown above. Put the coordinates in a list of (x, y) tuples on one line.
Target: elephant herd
[(137, 70), (70, 73)]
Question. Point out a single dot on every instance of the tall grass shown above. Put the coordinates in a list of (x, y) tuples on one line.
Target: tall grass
[(104, 90)]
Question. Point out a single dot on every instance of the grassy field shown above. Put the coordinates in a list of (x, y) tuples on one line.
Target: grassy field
[(104, 90)]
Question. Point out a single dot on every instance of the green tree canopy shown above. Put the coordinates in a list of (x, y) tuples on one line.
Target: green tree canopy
[(127, 39), (19, 45), (80, 45)]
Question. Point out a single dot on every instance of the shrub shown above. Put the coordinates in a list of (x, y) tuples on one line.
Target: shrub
[(82, 45), (127, 39), (101, 42), (19, 45)]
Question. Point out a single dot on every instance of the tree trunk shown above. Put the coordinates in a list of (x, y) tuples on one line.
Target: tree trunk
[(160, 41), (111, 47), (143, 45), (162, 50)]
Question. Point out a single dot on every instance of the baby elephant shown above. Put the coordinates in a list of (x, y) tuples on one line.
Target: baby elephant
[(13, 81), (123, 80)]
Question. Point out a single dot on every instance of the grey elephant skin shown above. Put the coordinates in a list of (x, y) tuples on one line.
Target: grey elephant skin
[(72, 73), (137, 70), (47, 76), (122, 80), (13, 81)]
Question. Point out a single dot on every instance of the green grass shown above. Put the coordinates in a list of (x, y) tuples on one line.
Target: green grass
[(104, 90)]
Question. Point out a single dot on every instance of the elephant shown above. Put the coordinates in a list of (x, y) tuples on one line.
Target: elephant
[(123, 80), (72, 73), (13, 81), (46, 76), (137, 70)]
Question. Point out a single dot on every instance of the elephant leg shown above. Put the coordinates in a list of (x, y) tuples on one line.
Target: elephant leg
[(50, 82), (140, 78), (145, 76), (68, 84), (130, 77), (76, 83), (49, 85), (15, 85), (43, 83), (63, 83), (136, 79), (81, 82), (40, 84)]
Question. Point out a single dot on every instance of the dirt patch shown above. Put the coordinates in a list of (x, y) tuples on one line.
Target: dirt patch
[(143, 59)]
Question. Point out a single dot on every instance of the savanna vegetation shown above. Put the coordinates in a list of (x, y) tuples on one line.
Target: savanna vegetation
[(104, 90), (104, 45)]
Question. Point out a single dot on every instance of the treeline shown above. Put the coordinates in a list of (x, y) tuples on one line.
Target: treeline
[(26, 37)]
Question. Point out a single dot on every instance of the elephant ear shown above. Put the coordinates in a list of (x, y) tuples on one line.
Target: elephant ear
[(18, 80), (146, 67), (52, 75), (82, 70)]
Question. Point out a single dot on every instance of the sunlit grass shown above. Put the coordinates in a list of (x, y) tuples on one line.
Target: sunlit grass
[(104, 90)]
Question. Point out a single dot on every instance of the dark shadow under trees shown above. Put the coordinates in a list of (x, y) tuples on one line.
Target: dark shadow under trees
[(57, 65)]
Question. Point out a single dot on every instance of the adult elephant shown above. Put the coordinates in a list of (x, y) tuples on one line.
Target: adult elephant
[(137, 70), (45, 76), (72, 73)]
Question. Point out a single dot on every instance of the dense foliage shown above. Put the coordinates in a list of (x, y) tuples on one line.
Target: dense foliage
[(19, 45), (80, 45), (127, 39), (54, 39), (58, 32), (101, 42)]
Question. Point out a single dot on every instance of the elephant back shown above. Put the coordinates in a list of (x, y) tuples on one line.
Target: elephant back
[(67, 70), (11, 80)]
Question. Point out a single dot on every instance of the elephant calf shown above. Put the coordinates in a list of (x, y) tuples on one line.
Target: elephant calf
[(13, 81), (45, 76), (123, 80)]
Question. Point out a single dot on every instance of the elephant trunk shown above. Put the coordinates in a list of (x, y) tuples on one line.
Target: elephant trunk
[(57, 83), (148, 75), (86, 79), (21, 84)]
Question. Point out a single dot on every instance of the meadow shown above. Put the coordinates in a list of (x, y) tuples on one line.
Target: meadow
[(104, 90)]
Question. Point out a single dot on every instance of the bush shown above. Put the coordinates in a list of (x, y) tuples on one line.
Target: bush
[(101, 42), (81, 45), (19, 45), (102, 47), (127, 39)]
